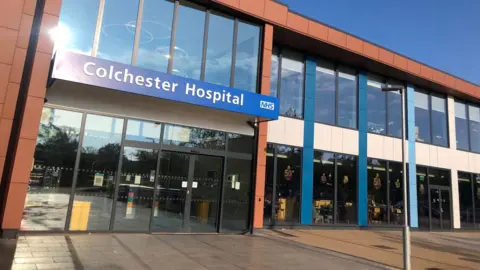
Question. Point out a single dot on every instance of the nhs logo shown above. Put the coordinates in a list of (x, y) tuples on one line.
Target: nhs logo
[(267, 105)]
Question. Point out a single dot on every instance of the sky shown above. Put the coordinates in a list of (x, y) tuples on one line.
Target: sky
[(444, 34)]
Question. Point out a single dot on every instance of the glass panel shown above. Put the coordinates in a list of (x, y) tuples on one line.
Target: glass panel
[(194, 137), (96, 175), (143, 131), (474, 122), (439, 121), (207, 176), (155, 34), (439, 177), (274, 76), (287, 205), (268, 201), (135, 191), (446, 211), (219, 50), (187, 58), (291, 86), (323, 187), (422, 117), (465, 200), (347, 99), (118, 30), (476, 195), (325, 93), (240, 143), (246, 59), (376, 108), (51, 177), (394, 120), (346, 189), (396, 193), (377, 191), (422, 198), (171, 192), (436, 209), (77, 25), (236, 197), (461, 126)]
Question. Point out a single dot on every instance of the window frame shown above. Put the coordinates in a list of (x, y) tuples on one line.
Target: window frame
[(467, 114), (445, 97)]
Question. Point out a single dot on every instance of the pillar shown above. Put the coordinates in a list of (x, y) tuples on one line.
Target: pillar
[(412, 163), (452, 135), (362, 150)]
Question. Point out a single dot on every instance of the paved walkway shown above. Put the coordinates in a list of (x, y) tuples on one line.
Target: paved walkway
[(144, 251), (430, 250)]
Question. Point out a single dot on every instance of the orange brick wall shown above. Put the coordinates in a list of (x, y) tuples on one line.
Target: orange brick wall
[(16, 17)]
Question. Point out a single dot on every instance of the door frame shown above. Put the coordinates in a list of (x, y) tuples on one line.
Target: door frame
[(439, 188)]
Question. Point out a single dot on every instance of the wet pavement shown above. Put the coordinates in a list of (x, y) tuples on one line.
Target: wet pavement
[(146, 251)]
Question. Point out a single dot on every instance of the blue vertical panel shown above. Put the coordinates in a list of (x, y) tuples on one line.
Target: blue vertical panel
[(308, 134), (362, 150), (412, 163)]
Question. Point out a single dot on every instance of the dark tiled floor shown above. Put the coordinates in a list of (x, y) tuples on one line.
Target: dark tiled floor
[(143, 251)]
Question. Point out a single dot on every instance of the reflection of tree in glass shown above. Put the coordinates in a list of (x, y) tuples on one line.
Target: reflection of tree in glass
[(203, 138)]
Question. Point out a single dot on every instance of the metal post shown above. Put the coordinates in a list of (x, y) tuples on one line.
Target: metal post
[(406, 228)]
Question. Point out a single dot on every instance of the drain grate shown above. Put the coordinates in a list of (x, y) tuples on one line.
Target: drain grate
[(470, 260), (382, 247), (284, 233)]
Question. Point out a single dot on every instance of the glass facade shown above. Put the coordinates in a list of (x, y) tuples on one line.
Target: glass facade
[(469, 195), (431, 118), (467, 126), (216, 63)]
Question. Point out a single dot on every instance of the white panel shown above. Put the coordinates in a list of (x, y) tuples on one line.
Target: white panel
[(337, 139), (100, 100), (323, 137), (375, 146), (350, 141), (472, 162), (433, 155), (444, 157), (455, 199), (461, 161), (422, 154), (286, 131), (388, 148)]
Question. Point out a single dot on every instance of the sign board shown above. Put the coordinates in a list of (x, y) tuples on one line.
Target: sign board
[(89, 70)]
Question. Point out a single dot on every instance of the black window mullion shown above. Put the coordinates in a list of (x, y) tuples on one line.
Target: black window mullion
[(234, 53), (205, 43), (173, 37)]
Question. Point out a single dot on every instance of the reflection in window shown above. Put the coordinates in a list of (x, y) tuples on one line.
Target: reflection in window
[(346, 203), (118, 30), (347, 98), (395, 203), (323, 187), (476, 195), (377, 192), (52, 173), (143, 131), (465, 200), (422, 117), (376, 107), (219, 50), (269, 206), (96, 173), (291, 85), (240, 143), (187, 58), (194, 137), (274, 75), (246, 57), (474, 124), (461, 126), (156, 27), (325, 100), (422, 198), (77, 25), (439, 121), (394, 107)]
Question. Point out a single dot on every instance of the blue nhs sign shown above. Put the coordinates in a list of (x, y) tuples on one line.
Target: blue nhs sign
[(89, 70)]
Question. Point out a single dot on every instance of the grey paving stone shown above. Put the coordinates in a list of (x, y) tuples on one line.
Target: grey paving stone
[(24, 266), (34, 260), (55, 266)]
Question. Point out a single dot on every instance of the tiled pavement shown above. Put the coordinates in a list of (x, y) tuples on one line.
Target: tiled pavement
[(145, 251)]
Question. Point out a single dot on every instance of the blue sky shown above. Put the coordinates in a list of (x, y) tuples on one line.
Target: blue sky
[(444, 34)]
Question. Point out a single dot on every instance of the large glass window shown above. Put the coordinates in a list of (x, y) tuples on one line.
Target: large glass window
[(323, 187), (347, 98), (422, 117), (187, 58), (395, 193), (118, 30), (439, 121), (377, 192), (274, 74), (394, 115), (219, 50), (96, 174), (269, 206), (77, 24), (461, 126), (474, 125), (52, 173), (476, 196), (422, 198), (246, 56), (467, 209), (376, 107), (291, 84), (156, 30), (431, 118), (325, 93), (194, 137), (346, 203)]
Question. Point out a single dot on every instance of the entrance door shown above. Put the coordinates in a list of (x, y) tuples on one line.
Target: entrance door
[(187, 194), (440, 212)]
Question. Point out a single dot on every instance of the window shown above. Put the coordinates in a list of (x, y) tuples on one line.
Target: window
[(118, 30), (143, 131), (247, 56), (219, 50), (274, 74), (376, 107), (347, 98), (325, 94), (467, 208), (155, 35), (194, 137), (291, 92), (283, 185), (476, 195), (394, 115), (474, 125), (334, 172), (431, 118), (461, 126)]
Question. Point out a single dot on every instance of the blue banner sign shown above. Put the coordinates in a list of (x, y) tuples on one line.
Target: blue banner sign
[(89, 70)]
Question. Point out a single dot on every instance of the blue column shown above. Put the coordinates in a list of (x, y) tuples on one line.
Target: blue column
[(362, 150), (412, 163), (308, 130)]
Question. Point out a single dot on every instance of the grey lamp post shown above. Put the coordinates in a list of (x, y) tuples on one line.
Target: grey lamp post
[(406, 228)]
